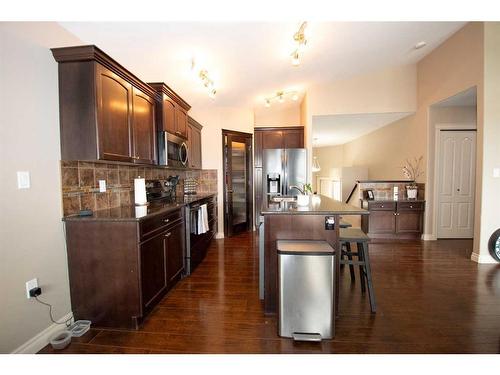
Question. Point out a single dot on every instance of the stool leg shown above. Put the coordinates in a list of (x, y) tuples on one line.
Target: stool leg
[(349, 256), (342, 255), (362, 271), (371, 292)]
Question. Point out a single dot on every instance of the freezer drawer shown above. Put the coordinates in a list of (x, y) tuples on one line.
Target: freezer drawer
[(306, 289)]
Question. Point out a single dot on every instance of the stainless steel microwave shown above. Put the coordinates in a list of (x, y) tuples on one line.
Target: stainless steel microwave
[(172, 150)]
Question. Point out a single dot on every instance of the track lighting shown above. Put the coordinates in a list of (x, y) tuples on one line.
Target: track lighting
[(300, 41), (280, 97), (207, 82)]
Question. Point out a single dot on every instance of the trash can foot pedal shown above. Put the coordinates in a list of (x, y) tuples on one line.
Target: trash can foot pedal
[(297, 336)]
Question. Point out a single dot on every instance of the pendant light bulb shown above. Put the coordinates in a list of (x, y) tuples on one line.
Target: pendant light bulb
[(281, 99), (295, 96), (315, 167), (268, 103), (212, 93)]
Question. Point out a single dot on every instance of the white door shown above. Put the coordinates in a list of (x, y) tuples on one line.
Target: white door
[(456, 184)]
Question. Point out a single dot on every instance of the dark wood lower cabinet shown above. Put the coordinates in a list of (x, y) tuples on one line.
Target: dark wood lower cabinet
[(120, 269), (389, 219)]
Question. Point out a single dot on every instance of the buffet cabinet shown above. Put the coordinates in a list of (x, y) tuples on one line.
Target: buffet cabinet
[(120, 269), (106, 113), (393, 219)]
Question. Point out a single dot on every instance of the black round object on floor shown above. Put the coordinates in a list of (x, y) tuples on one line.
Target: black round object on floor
[(494, 245)]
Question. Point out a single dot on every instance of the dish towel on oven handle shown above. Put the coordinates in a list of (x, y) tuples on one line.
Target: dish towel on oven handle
[(202, 219)]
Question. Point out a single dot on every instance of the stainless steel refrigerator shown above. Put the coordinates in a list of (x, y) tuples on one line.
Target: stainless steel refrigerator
[(282, 168)]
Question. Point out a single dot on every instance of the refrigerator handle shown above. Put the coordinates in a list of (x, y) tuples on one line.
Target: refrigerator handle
[(285, 174)]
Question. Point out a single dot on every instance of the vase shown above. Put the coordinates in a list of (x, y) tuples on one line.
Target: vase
[(411, 192), (302, 200)]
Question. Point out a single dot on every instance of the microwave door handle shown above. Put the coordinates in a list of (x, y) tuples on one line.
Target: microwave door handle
[(165, 150)]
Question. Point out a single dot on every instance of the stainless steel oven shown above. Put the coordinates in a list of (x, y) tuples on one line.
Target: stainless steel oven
[(172, 150)]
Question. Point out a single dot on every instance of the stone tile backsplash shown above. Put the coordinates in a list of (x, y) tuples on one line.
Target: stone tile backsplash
[(80, 183), (385, 190)]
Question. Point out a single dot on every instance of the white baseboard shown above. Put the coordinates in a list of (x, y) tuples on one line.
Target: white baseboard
[(482, 258), (219, 235), (36, 343), (429, 237)]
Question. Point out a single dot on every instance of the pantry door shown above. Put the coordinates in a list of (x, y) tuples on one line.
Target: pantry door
[(456, 183)]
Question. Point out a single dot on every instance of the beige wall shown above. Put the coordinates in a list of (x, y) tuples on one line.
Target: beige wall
[(328, 157), (214, 119), (490, 217), (32, 232), (279, 114), (453, 67)]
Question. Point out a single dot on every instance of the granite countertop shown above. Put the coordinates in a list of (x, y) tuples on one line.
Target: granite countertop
[(318, 204), (136, 213), (392, 200)]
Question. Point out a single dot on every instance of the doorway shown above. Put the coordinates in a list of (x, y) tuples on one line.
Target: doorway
[(456, 172), (238, 182)]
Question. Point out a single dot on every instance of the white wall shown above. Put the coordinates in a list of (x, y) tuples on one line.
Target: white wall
[(32, 240), (214, 119)]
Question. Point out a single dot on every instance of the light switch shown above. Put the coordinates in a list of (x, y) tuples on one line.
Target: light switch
[(23, 180), (496, 172), (102, 186)]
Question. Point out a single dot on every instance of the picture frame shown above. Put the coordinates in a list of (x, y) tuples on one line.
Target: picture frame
[(369, 194)]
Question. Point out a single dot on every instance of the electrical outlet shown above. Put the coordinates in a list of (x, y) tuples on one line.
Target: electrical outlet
[(102, 186), (23, 180), (33, 283)]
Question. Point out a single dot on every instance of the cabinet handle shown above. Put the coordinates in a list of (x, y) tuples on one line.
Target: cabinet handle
[(382, 206), (168, 234), (166, 220), (411, 206)]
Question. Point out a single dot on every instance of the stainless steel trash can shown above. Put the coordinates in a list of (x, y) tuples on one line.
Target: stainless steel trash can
[(306, 290)]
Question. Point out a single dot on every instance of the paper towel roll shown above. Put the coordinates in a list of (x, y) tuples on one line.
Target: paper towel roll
[(141, 211), (140, 191)]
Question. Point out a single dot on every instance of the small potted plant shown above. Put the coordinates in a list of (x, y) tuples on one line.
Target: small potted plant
[(412, 170)]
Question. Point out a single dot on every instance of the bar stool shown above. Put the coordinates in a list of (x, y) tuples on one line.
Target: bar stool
[(348, 235)]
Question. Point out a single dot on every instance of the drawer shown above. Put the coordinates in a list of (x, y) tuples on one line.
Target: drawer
[(381, 206), (159, 222), (410, 206)]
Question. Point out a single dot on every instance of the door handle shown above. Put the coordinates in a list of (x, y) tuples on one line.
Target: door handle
[(168, 234)]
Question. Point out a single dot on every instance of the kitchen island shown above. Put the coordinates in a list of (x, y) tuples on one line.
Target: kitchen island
[(288, 221)]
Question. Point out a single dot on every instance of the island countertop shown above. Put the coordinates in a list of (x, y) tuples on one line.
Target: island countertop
[(318, 205)]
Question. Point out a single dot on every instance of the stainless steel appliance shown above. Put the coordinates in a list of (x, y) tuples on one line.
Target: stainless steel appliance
[(283, 168), (306, 290), (172, 150)]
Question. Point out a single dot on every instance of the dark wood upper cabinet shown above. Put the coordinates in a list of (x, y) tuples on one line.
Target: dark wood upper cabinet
[(272, 139), (98, 119), (171, 110), (194, 141), (114, 114), (293, 138), (144, 132)]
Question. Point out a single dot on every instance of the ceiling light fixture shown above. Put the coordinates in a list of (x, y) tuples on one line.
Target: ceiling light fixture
[(300, 41), (280, 97), (207, 82), (419, 45), (316, 167)]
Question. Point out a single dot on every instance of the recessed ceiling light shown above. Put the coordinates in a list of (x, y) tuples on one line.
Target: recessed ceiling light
[(419, 45)]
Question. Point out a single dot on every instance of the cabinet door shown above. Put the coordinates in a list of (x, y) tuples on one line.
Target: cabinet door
[(153, 253), (409, 222), (258, 149), (196, 148), (175, 252), (169, 117), (272, 139), (293, 139), (190, 145), (382, 222), (144, 133), (114, 103), (181, 122)]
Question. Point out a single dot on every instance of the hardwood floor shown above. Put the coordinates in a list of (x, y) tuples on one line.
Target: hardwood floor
[(431, 299)]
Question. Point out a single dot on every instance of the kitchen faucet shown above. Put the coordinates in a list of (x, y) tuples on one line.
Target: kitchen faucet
[(296, 187)]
